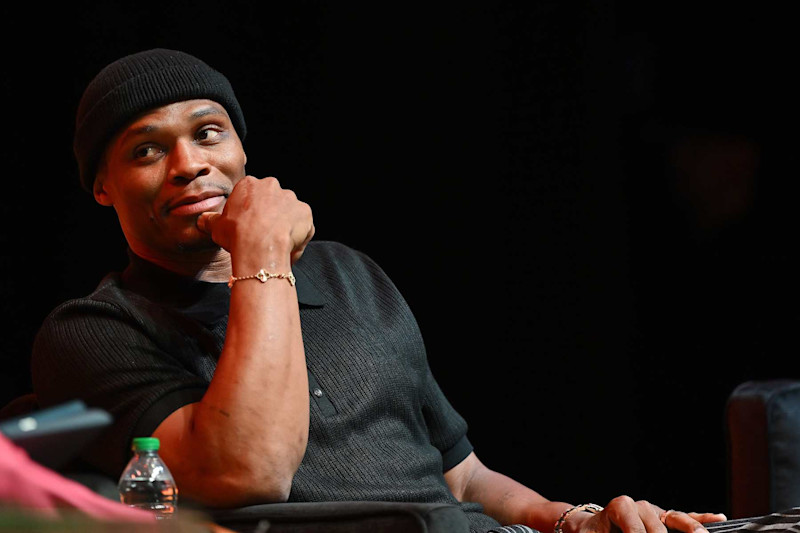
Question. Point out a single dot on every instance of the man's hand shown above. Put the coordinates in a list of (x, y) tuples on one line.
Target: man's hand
[(510, 502), (259, 223), (638, 517)]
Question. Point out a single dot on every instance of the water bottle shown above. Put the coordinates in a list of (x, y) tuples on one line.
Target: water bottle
[(146, 482)]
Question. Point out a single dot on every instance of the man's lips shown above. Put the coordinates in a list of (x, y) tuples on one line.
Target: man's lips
[(194, 205)]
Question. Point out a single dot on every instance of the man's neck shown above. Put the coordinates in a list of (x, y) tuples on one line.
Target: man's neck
[(210, 266)]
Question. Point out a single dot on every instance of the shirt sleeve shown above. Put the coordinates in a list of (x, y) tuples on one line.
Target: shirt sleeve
[(111, 358), (447, 428)]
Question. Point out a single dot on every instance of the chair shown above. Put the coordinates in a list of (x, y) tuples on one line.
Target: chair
[(762, 424), (344, 517), (310, 517)]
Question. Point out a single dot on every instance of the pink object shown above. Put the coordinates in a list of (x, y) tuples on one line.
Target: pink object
[(25, 484)]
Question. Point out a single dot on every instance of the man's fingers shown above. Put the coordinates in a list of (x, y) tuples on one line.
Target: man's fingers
[(205, 222), (706, 518), (641, 516), (682, 522), (650, 517), (624, 512)]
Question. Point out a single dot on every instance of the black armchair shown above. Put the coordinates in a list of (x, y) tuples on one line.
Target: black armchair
[(312, 517), (762, 422), (344, 517)]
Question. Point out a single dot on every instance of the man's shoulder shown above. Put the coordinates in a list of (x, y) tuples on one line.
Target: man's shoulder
[(334, 252), (339, 271), (331, 250), (69, 323), (335, 258), (108, 294), (108, 289)]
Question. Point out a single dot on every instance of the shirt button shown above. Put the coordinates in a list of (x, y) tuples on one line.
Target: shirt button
[(317, 393)]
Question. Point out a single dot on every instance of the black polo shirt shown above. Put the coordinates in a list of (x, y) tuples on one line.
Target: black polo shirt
[(146, 343)]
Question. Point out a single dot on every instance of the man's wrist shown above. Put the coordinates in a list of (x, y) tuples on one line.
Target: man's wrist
[(263, 276), (272, 253), (250, 263), (570, 520)]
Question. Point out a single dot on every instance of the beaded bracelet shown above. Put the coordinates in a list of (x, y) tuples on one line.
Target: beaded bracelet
[(263, 276), (589, 507)]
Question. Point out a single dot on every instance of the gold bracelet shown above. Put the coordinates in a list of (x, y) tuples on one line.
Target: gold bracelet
[(590, 507), (263, 276)]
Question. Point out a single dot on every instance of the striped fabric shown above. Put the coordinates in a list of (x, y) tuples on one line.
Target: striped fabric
[(781, 522)]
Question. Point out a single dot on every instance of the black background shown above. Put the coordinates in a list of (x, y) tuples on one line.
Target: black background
[(589, 205)]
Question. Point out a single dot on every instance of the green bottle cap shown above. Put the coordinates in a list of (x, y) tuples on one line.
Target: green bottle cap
[(145, 444)]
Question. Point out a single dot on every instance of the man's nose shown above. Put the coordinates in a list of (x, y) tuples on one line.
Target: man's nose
[(187, 161)]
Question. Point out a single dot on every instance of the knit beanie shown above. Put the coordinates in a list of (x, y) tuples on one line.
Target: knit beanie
[(138, 83)]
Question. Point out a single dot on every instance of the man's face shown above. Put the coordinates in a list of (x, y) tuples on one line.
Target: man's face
[(165, 168)]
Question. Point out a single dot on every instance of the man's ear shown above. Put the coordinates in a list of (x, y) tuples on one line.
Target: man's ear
[(101, 196)]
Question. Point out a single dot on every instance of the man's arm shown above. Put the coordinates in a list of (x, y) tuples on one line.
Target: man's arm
[(243, 442), (503, 498), (510, 502)]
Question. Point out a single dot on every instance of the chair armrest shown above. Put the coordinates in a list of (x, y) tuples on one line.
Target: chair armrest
[(763, 432), (344, 517)]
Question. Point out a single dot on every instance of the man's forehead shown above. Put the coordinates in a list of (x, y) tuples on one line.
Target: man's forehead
[(184, 110)]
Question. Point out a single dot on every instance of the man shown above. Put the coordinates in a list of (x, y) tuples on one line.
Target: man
[(271, 368)]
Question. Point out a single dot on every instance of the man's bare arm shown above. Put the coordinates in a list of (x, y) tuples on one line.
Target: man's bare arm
[(503, 498), (510, 502), (243, 442)]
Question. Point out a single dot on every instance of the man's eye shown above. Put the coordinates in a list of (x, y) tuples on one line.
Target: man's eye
[(146, 151), (207, 134)]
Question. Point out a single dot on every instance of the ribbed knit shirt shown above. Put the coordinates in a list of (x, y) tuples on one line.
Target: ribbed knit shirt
[(146, 342)]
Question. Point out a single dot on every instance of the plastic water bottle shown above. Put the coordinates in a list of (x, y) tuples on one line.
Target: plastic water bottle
[(146, 482)]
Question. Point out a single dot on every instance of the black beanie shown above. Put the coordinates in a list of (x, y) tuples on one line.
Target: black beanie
[(138, 83)]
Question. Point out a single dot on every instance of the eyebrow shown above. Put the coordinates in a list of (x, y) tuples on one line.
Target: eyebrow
[(205, 111), (149, 128), (140, 130)]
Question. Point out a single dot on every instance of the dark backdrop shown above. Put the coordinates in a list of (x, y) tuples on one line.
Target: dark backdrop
[(589, 205)]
